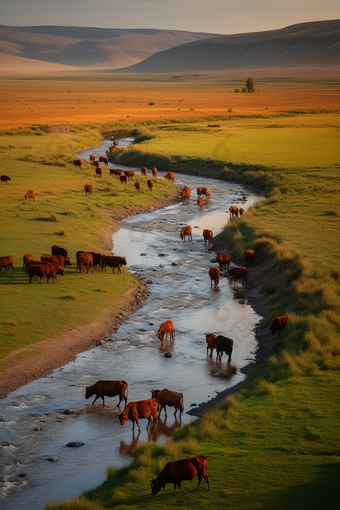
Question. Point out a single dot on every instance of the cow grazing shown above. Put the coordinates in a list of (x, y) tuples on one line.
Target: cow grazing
[(58, 250), (154, 172), (77, 162), (210, 339), (143, 171), (41, 269), (103, 159), (200, 203), (239, 273), (279, 323), (223, 260), (165, 329), (249, 256), (30, 195), (207, 236), (178, 470), (6, 262), (186, 232), (214, 274), (4, 178), (113, 261), (207, 194), (97, 260), (169, 398), (137, 186), (60, 260), (150, 184), (85, 259), (123, 179), (26, 259), (107, 389), (223, 344), (134, 411), (96, 164), (88, 189), (186, 193), (129, 173), (241, 211), (92, 158), (98, 171), (116, 172), (170, 176), (233, 211)]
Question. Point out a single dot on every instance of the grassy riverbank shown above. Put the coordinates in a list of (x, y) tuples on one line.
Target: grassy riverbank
[(275, 444)]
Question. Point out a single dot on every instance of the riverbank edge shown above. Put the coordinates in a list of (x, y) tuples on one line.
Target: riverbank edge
[(42, 358)]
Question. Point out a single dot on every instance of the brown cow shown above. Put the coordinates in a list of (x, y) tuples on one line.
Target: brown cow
[(4, 178), (85, 259), (223, 344), (143, 171), (207, 236), (223, 260), (60, 260), (129, 173), (103, 159), (233, 211), (241, 211), (186, 193), (92, 158), (186, 232), (6, 262), (165, 329), (200, 191), (239, 273), (115, 171), (41, 269), (58, 250), (26, 259), (123, 179), (169, 398), (214, 274), (30, 195), (140, 409), (249, 256), (150, 184), (170, 176), (137, 186), (178, 470), (154, 172), (88, 189), (200, 203), (96, 164), (210, 339), (107, 389), (77, 162), (98, 171), (207, 194), (113, 261), (279, 323)]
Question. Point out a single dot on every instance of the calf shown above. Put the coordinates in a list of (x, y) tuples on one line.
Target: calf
[(134, 411), (107, 389)]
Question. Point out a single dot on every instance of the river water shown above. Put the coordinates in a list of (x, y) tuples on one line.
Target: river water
[(33, 427)]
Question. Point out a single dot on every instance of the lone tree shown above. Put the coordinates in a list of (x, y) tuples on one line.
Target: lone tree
[(250, 85)]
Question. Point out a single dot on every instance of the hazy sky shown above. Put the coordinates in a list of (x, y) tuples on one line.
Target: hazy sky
[(214, 16)]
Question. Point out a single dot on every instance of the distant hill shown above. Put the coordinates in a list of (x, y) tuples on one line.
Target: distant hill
[(314, 44), (84, 47)]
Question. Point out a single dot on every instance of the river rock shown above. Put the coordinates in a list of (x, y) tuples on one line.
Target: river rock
[(213, 260), (242, 302), (162, 254), (143, 254), (149, 281), (151, 323), (52, 459), (175, 264), (193, 405), (75, 444), (168, 355), (22, 475), (37, 429), (68, 411), (162, 265)]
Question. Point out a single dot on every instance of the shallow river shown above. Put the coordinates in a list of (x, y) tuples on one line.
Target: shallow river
[(32, 424)]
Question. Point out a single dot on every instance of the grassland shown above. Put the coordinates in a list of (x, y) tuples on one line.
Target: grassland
[(275, 445)]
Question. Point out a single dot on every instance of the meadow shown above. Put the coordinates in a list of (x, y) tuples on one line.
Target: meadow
[(275, 444)]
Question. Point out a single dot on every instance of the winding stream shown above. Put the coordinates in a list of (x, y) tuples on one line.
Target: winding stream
[(180, 292)]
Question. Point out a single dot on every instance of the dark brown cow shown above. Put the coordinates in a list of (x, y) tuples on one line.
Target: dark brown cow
[(200, 203), (186, 193), (170, 176), (107, 389), (103, 159), (165, 329), (279, 323), (6, 262), (4, 178), (210, 340), (239, 273), (129, 173), (113, 261), (96, 164), (41, 269), (60, 260), (143, 171), (58, 250), (223, 260), (150, 184), (134, 411), (137, 186), (214, 274), (116, 172), (88, 189), (178, 470), (169, 398), (154, 172), (26, 259), (186, 232), (207, 236), (123, 179), (241, 211), (92, 158), (77, 162), (85, 259), (30, 195), (223, 344), (200, 191), (233, 211), (98, 171), (249, 256)]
